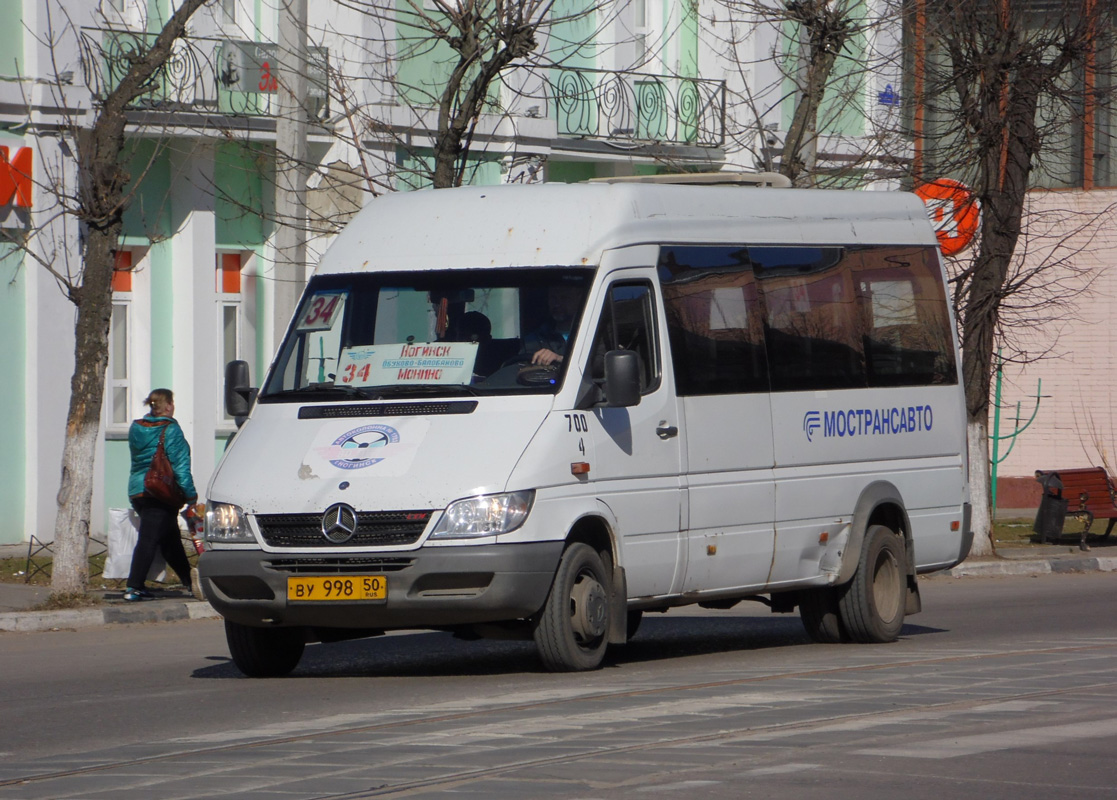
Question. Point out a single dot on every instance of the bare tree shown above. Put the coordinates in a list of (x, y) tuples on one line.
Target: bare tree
[(824, 30), (813, 58), (97, 203), (475, 46), (998, 87), (993, 98)]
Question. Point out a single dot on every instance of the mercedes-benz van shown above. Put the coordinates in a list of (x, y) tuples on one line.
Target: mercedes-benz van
[(543, 411)]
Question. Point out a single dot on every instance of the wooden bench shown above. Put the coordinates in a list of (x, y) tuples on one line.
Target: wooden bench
[(1089, 493)]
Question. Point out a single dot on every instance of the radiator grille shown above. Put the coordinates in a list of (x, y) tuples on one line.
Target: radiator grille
[(338, 565), (374, 529)]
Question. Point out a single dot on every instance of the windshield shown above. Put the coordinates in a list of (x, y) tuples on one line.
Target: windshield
[(453, 332)]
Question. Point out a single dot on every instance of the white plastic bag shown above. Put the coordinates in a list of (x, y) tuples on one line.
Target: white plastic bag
[(124, 529)]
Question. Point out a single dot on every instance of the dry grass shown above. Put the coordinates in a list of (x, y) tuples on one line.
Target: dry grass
[(57, 602), (1018, 532), (17, 569)]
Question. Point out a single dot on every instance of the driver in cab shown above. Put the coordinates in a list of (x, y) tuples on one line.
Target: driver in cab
[(548, 343)]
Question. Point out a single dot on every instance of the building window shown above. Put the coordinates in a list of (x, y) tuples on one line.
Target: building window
[(1074, 115), (229, 285), (126, 13), (119, 389)]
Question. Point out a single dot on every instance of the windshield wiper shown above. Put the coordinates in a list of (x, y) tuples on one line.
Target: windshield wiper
[(321, 391)]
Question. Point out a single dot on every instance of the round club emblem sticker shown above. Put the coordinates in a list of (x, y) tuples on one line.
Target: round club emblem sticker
[(362, 447)]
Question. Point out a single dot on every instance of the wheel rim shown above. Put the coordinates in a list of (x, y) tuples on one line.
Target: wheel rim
[(588, 609), (886, 586)]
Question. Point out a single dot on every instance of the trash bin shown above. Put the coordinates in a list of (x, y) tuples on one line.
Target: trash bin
[(1052, 512)]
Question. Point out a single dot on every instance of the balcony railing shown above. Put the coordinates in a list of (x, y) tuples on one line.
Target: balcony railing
[(209, 75), (637, 107), (240, 78)]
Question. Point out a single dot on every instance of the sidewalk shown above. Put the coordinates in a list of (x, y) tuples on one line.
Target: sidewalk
[(17, 600)]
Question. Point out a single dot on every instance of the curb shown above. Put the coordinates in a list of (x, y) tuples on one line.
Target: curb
[(1045, 566), (152, 611)]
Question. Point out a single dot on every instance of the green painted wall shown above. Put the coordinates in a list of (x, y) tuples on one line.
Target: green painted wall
[(149, 209), (413, 170), (244, 211), (572, 42), (423, 64), (570, 171), (687, 38), (242, 206), (118, 463), (841, 110), (13, 366), (572, 46), (162, 308), (11, 38)]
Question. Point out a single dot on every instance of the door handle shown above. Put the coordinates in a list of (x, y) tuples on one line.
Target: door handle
[(665, 431)]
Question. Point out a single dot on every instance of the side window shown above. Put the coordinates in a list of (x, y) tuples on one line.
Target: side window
[(714, 320), (793, 318), (628, 323), (908, 340), (813, 327)]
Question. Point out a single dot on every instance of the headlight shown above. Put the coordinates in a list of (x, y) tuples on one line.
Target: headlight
[(487, 515), (226, 523)]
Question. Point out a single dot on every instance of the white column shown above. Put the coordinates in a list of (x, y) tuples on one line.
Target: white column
[(49, 351), (194, 318)]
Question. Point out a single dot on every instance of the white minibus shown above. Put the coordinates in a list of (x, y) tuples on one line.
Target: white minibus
[(544, 411)]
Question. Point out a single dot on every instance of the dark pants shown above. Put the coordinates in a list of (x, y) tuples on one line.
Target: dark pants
[(158, 533)]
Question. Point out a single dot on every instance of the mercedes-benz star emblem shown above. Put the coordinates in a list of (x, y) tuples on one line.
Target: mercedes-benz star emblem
[(339, 523)]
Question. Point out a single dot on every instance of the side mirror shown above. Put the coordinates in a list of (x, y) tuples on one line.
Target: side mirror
[(238, 394), (622, 379)]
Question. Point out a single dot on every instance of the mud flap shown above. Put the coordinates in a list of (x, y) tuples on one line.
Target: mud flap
[(618, 608), (913, 604)]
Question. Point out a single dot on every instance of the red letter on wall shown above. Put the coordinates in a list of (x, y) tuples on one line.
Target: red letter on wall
[(15, 178)]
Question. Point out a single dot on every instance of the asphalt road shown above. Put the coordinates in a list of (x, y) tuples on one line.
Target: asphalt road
[(1002, 687)]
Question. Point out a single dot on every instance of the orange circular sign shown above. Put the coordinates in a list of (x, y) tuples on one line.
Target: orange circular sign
[(954, 212)]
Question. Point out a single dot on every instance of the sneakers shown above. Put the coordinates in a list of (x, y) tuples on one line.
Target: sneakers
[(135, 595)]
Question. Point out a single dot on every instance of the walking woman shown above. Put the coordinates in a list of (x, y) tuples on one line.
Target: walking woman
[(158, 521)]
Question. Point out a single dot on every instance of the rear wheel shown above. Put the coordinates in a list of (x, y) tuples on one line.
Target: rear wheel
[(872, 606), (818, 608), (264, 652), (571, 632)]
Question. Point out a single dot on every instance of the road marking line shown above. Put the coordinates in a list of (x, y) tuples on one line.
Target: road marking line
[(782, 769), (1003, 740)]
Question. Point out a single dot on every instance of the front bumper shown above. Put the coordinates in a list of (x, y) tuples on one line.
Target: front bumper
[(431, 587)]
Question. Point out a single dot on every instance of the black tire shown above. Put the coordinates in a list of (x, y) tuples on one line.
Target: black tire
[(818, 608), (264, 652), (872, 605), (571, 632)]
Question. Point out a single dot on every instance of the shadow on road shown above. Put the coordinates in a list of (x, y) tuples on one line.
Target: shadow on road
[(441, 654)]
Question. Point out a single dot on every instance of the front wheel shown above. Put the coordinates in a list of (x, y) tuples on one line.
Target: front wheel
[(264, 652), (872, 606), (571, 631)]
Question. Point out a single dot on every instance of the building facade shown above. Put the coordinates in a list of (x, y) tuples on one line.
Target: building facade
[(633, 87)]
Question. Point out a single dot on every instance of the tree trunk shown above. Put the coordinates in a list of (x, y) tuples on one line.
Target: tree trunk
[(982, 519), (805, 119), (70, 569), (101, 203)]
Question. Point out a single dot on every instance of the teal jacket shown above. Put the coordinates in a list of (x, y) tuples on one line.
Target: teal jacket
[(143, 439)]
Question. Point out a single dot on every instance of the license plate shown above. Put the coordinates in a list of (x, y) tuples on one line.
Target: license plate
[(350, 587)]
